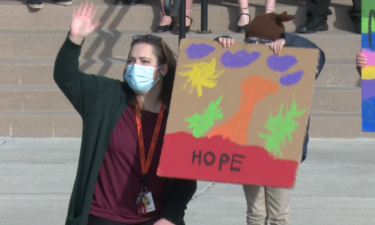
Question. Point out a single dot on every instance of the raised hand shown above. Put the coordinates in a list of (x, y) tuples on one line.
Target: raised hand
[(82, 22)]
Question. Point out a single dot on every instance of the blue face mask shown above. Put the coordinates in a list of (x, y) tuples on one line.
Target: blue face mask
[(140, 78)]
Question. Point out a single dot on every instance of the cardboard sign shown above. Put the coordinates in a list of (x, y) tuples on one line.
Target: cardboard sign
[(368, 72), (238, 114)]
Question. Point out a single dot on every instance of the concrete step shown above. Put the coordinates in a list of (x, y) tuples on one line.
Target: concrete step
[(115, 43), (337, 72), (337, 125), (33, 209), (64, 124), (28, 99), (223, 15), (38, 72), (40, 124), (326, 99)]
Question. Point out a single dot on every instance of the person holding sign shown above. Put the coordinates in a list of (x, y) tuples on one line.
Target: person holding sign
[(123, 130), (269, 203)]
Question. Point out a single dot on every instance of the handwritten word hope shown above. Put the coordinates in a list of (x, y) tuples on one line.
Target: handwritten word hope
[(210, 158)]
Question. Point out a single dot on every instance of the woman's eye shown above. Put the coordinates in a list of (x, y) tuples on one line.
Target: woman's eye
[(145, 62)]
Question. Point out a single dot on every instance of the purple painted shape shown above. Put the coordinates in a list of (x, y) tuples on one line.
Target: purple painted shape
[(368, 89), (291, 79), (281, 63), (239, 59), (370, 57), (198, 51)]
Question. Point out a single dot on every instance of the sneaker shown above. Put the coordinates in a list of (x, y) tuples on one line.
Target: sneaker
[(35, 4), (62, 2)]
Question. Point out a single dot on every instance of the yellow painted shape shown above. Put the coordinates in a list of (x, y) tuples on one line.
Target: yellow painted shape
[(201, 75), (368, 72)]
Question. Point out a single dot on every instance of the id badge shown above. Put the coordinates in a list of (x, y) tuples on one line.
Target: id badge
[(150, 207)]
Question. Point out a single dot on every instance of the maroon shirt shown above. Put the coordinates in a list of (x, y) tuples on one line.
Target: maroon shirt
[(120, 177)]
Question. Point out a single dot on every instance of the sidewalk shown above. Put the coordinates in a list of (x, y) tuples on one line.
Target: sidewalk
[(335, 185)]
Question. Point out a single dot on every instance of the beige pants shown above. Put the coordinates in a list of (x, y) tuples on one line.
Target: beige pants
[(267, 204)]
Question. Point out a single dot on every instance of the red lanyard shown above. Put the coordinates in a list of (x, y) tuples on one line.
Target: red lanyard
[(145, 165)]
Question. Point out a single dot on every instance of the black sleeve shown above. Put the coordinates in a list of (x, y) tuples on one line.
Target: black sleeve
[(81, 89), (292, 40), (180, 195)]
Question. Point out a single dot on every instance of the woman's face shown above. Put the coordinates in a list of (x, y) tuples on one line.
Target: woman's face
[(142, 54)]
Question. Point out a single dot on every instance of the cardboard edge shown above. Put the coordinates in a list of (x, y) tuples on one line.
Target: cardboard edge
[(182, 43), (225, 182), (310, 105)]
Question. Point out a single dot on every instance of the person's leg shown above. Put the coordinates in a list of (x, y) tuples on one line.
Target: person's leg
[(256, 205), (355, 14), (270, 6), (318, 8), (188, 19), (317, 12), (243, 8), (277, 202), (164, 20)]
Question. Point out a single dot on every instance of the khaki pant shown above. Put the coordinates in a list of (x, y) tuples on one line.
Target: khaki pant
[(267, 204)]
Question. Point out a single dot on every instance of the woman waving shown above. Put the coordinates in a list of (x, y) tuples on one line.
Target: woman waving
[(123, 130)]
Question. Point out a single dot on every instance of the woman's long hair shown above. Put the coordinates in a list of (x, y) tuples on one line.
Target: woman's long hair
[(167, 86)]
